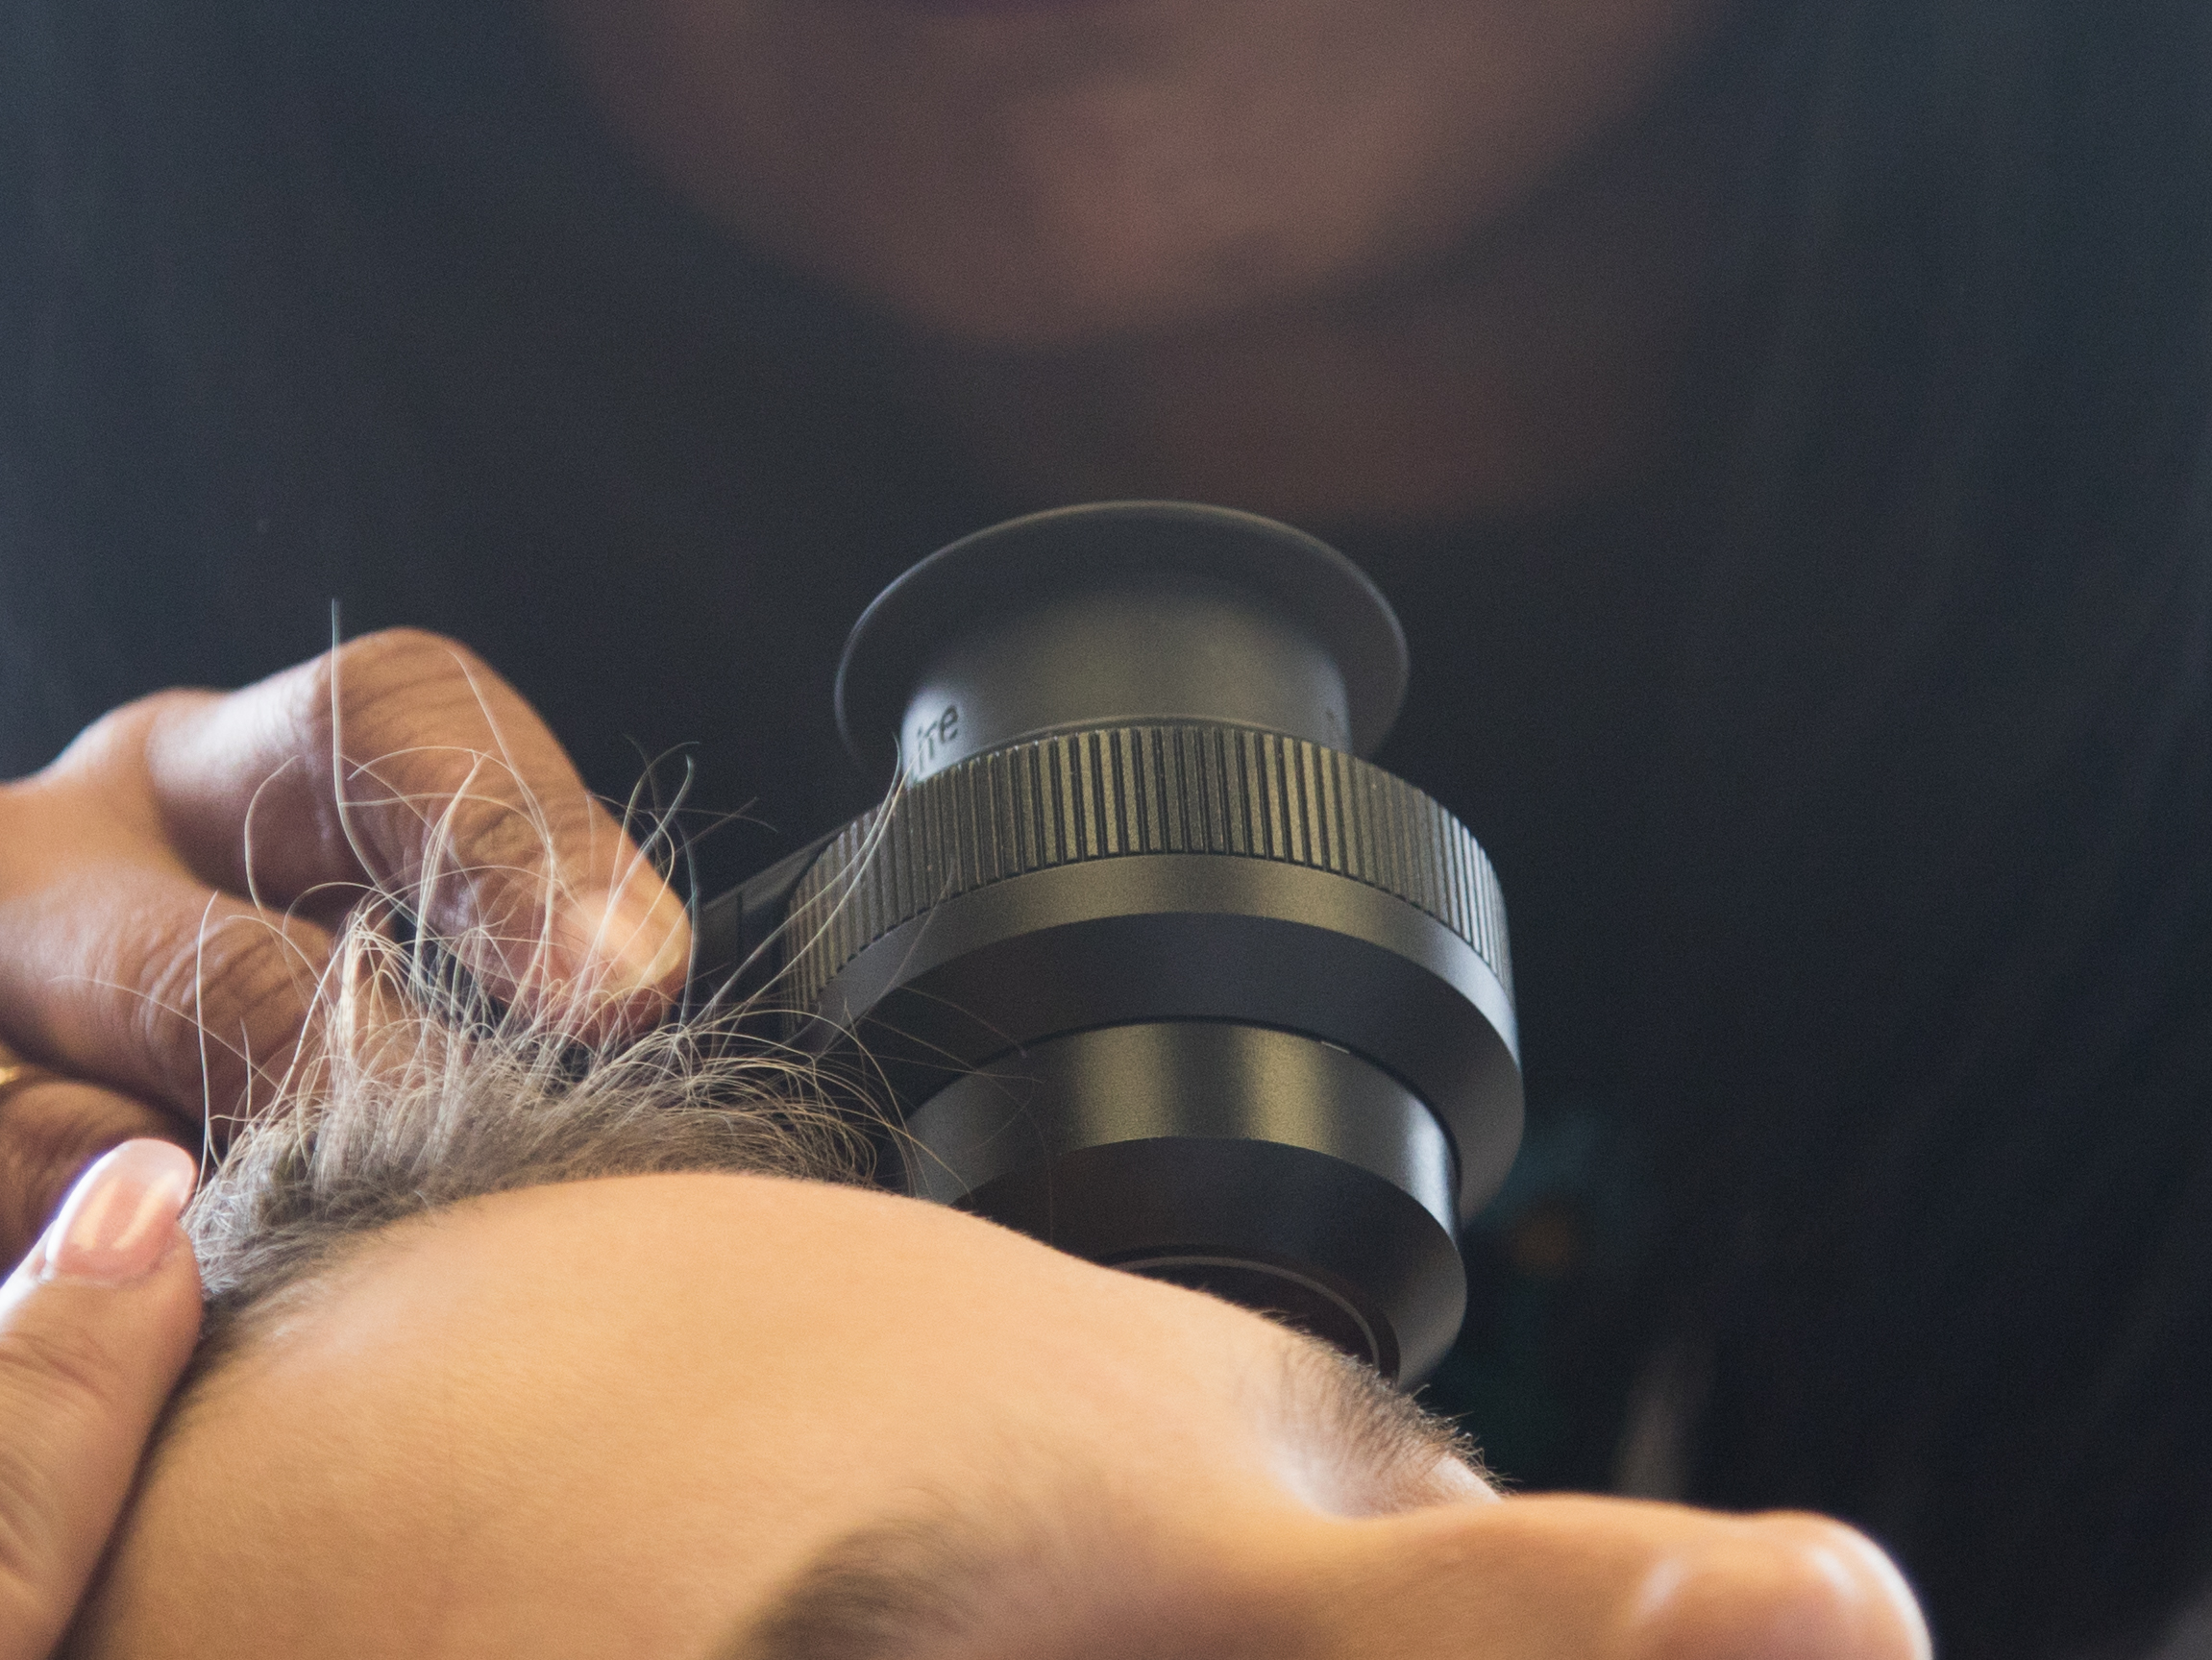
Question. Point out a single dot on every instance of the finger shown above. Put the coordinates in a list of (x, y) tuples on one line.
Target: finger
[(49, 1132), (402, 758), (1616, 1580), (139, 978), (95, 1328)]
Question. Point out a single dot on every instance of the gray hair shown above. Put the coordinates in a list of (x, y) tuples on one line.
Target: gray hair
[(414, 1093)]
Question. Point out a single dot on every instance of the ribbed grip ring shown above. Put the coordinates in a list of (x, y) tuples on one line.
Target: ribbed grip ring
[(1116, 792)]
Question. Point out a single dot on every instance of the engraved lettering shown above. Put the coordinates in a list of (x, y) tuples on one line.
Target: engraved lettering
[(932, 736)]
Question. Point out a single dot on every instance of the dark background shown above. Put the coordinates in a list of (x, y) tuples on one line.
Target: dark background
[(1848, 784)]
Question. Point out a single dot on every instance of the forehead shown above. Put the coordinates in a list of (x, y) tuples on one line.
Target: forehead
[(639, 1403)]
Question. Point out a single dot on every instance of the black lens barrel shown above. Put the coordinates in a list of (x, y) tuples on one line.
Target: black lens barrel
[(1150, 964), (1115, 614)]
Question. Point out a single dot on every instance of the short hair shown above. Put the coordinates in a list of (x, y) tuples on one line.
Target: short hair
[(414, 1093)]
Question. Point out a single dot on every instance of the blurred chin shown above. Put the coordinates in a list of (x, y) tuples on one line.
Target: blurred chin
[(1046, 173), (1108, 256)]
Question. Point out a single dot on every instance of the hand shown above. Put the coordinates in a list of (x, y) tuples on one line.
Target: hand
[(167, 886), (95, 1326)]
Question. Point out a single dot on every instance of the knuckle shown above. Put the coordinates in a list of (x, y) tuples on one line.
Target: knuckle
[(387, 691), (117, 740), (476, 830), (443, 765), (405, 643), (488, 835), (101, 783), (100, 794), (244, 969), (119, 732), (402, 676)]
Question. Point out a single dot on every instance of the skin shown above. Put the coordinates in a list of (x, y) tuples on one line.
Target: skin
[(1328, 258), (617, 1418), (1325, 258), (173, 873), (93, 1334), (1315, 257), (1039, 174)]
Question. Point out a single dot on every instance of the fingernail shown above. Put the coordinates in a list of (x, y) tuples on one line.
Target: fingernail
[(121, 1217), (632, 940)]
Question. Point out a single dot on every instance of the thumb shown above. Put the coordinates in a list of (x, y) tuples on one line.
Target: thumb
[(95, 1328)]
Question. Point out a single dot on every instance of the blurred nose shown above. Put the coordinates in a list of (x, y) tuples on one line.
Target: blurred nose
[(1576, 1579)]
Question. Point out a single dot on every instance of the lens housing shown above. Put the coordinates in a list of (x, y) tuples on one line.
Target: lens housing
[(1148, 962)]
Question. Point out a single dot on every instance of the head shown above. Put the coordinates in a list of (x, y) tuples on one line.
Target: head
[(1963, 346), (513, 1351)]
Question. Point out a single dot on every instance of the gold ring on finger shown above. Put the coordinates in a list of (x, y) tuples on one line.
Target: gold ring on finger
[(16, 1075)]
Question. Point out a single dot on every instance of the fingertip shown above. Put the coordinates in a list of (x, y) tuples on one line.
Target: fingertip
[(615, 946), (122, 1216)]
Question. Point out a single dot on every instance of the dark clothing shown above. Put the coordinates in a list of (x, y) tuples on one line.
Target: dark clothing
[(1861, 901)]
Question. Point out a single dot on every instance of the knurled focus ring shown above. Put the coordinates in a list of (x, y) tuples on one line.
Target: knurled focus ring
[(1119, 792)]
